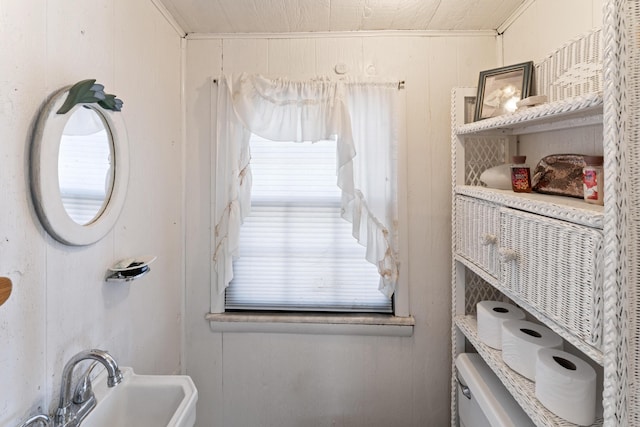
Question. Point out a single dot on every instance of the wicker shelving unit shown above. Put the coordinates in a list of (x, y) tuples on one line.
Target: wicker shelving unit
[(592, 80), (479, 211), (568, 297)]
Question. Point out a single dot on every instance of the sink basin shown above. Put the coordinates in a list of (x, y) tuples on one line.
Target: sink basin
[(144, 401)]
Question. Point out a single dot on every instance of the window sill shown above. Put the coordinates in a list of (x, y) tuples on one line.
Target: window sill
[(313, 323)]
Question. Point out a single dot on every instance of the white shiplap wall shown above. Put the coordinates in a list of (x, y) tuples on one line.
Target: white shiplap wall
[(548, 24), (60, 303), (247, 379)]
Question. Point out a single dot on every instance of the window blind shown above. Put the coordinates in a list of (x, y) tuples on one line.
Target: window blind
[(84, 174), (296, 252)]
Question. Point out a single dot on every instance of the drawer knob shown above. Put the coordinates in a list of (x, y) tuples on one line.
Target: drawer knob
[(488, 239), (507, 255)]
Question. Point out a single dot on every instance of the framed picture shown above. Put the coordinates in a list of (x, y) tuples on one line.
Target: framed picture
[(500, 88)]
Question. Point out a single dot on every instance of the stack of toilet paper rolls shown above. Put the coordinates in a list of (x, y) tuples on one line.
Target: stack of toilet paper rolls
[(564, 383)]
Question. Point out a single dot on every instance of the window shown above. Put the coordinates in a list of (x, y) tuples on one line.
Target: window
[(296, 251), (337, 243)]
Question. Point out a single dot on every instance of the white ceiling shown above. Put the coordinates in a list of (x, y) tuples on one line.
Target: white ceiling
[(286, 16)]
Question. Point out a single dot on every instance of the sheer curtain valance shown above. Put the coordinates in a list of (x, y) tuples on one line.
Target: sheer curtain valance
[(361, 116)]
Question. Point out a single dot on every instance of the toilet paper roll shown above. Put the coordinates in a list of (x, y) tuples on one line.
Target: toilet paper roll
[(491, 315), (521, 341), (566, 385)]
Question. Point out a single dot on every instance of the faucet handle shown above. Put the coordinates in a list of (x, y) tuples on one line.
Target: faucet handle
[(84, 389), (37, 420)]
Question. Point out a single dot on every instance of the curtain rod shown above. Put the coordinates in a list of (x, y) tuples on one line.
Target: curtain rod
[(400, 83)]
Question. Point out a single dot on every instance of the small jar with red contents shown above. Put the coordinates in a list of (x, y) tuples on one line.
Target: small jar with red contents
[(593, 180)]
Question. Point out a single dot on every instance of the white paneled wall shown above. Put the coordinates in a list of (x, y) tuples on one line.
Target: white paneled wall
[(548, 24), (282, 380), (60, 302)]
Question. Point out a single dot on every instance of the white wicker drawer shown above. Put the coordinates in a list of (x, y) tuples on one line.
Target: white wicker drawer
[(477, 232), (555, 266)]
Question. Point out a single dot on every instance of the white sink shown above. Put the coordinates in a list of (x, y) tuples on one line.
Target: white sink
[(144, 401)]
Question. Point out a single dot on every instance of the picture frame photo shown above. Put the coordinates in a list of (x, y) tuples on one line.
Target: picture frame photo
[(500, 88)]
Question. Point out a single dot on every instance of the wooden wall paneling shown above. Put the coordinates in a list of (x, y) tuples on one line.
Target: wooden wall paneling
[(331, 51), (60, 302), (598, 13), (204, 357), (22, 320), (78, 46), (76, 50), (154, 224), (296, 380), (553, 24), (245, 55), (474, 55), (587, 140), (293, 58), (389, 58), (442, 59)]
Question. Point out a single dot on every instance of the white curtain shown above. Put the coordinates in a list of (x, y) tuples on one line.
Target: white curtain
[(362, 118)]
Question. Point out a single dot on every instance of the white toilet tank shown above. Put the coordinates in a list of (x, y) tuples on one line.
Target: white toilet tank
[(482, 399)]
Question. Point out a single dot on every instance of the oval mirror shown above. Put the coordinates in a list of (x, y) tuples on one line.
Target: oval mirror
[(84, 166), (79, 170)]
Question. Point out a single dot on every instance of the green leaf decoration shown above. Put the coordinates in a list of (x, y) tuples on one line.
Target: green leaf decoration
[(87, 92), (110, 102)]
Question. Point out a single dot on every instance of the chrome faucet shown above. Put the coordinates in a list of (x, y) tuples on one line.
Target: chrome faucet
[(72, 410)]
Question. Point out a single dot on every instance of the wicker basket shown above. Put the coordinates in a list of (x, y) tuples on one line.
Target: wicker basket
[(572, 70)]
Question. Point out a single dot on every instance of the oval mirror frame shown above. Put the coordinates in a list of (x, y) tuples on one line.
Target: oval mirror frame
[(45, 188)]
